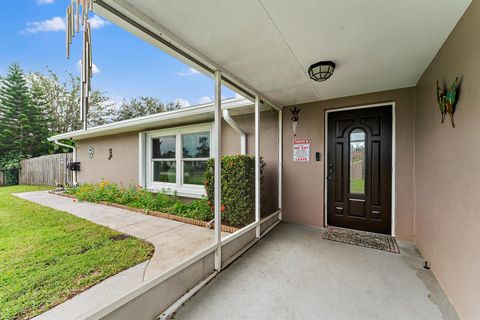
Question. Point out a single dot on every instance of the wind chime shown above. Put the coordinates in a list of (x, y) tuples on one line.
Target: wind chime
[(73, 20)]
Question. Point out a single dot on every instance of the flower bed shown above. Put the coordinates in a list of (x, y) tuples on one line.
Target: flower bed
[(138, 198), (237, 204), (196, 212)]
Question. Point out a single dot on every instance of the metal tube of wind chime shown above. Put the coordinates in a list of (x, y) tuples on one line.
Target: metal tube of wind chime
[(77, 16), (72, 22), (83, 12), (89, 54), (67, 39), (82, 83)]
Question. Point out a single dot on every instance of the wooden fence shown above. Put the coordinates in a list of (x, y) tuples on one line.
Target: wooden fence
[(2, 179), (46, 170)]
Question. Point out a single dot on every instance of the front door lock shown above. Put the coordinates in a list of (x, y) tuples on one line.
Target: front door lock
[(330, 172)]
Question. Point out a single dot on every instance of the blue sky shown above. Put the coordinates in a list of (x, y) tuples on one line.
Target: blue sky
[(32, 34)]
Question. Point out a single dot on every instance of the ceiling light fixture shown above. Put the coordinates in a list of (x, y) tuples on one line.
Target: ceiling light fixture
[(321, 71)]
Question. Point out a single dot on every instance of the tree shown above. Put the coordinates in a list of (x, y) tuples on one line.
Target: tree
[(41, 118), (22, 125), (143, 106), (63, 102)]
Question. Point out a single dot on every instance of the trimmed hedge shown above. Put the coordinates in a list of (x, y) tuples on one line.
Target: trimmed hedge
[(238, 188)]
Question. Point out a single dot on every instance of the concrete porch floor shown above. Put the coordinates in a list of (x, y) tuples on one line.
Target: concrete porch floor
[(294, 274)]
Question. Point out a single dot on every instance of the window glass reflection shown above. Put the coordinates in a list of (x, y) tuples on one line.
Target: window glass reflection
[(357, 161)]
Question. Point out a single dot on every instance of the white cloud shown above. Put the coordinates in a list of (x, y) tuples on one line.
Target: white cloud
[(182, 102), (58, 24), (189, 72), (40, 2), (205, 99), (96, 22), (95, 69), (54, 24)]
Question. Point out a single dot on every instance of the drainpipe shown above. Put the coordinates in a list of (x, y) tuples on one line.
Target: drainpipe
[(74, 149), (236, 127)]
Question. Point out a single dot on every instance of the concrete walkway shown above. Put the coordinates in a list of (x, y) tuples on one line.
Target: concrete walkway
[(174, 242), (294, 274)]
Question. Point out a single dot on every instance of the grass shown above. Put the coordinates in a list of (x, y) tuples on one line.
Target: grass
[(194, 179), (357, 186), (48, 256)]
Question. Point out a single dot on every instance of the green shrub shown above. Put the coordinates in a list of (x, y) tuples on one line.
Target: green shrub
[(238, 188), (142, 199), (197, 209), (10, 177), (10, 163)]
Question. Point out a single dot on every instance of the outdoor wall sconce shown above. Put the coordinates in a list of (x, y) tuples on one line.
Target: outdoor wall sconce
[(321, 71), (110, 154), (295, 111)]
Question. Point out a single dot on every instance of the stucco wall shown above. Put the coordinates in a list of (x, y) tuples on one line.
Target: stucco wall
[(447, 224), (121, 169), (303, 182), (268, 150)]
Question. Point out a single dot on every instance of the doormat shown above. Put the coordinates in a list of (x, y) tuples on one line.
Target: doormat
[(362, 238)]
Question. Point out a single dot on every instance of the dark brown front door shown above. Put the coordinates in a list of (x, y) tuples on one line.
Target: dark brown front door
[(359, 169)]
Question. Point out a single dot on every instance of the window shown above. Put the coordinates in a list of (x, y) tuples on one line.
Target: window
[(195, 153), (163, 151), (357, 161), (176, 159)]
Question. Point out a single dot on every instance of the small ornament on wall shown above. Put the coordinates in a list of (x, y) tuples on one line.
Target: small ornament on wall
[(110, 154), (447, 100), (295, 111), (91, 152)]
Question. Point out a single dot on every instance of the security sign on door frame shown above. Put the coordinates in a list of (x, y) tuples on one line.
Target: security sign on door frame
[(301, 150)]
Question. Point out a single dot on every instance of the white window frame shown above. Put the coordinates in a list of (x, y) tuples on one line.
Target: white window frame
[(146, 164)]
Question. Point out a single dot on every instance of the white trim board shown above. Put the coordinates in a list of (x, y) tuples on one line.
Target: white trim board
[(394, 191)]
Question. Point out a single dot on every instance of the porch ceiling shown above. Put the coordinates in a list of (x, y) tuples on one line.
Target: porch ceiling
[(269, 44)]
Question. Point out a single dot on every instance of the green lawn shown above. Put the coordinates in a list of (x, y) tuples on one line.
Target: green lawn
[(48, 256), (357, 186)]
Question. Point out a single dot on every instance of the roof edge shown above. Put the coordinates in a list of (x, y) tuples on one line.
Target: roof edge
[(153, 118)]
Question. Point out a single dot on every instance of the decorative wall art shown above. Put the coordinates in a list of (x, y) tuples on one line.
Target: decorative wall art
[(447, 100), (91, 152)]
